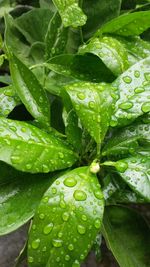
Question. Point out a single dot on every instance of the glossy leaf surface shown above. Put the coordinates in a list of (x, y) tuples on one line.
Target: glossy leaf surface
[(71, 13), (98, 13), (125, 140), (110, 51), (30, 149), (8, 100), (30, 91), (56, 37), (20, 195), (82, 67), (127, 235), (14, 40), (135, 172), (67, 220), (133, 93), (92, 103), (128, 24), (36, 32)]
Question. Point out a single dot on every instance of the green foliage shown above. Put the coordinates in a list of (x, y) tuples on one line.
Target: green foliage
[(75, 128)]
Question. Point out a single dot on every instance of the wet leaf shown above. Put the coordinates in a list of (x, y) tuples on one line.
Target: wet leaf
[(67, 220), (20, 195), (110, 51), (29, 24), (125, 140), (30, 91), (56, 37), (127, 235), (30, 149), (8, 100), (133, 93), (82, 67), (98, 13), (71, 13), (128, 24), (135, 172), (92, 103)]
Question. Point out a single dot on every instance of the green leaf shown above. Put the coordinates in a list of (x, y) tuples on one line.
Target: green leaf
[(71, 13), (30, 149), (30, 91), (14, 41), (29, 24), (82, 67), (133, 93), (124, 140), (73, 131), (20, 195), (56, 37), (72, 211), (98, 13), (126, 197), (135, 172), (92, 103), (127, 235), (128, 24), (5, 7), (136, 47), (5, 79), (8, 100), (110, 51)]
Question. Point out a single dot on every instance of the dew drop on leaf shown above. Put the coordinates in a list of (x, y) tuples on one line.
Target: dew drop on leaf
[(71, 247), (127, 79), (70, 182), (48, 228), (121, 166), (65, 216), (57, 243), (81, 229), (30, 260), (76, 264), (80, 195), (35, 243), (126, 105), (97, 223), (146, 107), (67, 258), (81, 96)]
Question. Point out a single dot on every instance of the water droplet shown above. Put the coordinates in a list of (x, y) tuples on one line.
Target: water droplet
[(146, 107), (45, 168), (139, 90), (71, 247), (23, 129), (136, 73), (48, 228), (54, 190), (91, 104), (127, 79), (113, 123), (62, 204), (70, 182), (97, 223), (28, 166), (58, 259), (30, 260), (65, 216), (35, 243), (67, 258), (57, 243), (81, 96), (42, 216), (126, 105), (81, 229), (61, 155), (121, 166), (15, 159), (147, 76), (98, 194), (80, 195), (84, 217), (76, 264)]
